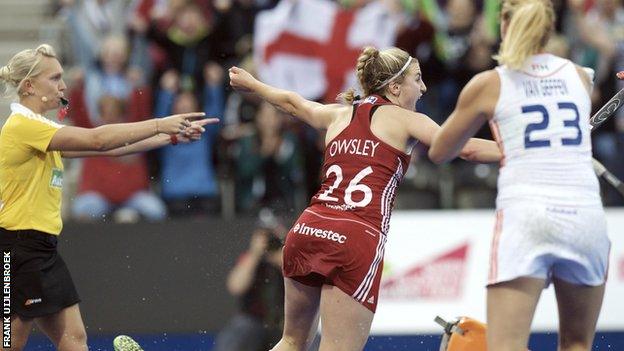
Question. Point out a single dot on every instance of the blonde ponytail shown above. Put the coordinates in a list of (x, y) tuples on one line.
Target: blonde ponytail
[(365, 61), (530, 24)]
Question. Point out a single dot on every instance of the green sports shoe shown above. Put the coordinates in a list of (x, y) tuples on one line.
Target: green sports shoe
[(126, 343)]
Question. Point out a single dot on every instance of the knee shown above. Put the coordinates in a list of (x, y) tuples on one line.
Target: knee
[(79, 337), (75, 340)]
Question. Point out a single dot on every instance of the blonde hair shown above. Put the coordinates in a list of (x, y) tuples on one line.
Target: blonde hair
[(530, 24), (24, 65), (376, 69)]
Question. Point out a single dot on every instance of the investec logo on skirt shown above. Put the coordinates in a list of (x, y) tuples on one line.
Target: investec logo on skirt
[(330, 235)]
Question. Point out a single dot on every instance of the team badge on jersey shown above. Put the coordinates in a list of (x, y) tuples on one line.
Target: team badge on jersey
[(56, 181)]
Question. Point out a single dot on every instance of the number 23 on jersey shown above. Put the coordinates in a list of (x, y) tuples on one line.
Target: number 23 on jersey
[(544, 123)]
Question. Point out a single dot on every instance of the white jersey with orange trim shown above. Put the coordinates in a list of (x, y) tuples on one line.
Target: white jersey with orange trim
[(550, 222), (541, 123)]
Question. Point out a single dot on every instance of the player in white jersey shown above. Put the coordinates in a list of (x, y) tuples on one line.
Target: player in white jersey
[(550, 224)]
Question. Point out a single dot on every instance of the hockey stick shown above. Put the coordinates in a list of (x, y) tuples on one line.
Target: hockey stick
[(597, 120), (607, 110), (603, 172)]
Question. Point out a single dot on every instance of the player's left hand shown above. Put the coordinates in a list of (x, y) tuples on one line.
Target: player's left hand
[(620, 75)]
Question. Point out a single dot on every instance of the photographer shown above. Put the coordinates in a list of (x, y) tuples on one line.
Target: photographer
[(257, 281)]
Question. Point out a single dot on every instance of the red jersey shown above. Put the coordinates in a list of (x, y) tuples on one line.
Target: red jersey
[(362, 172)]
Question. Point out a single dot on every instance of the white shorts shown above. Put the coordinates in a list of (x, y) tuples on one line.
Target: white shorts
[(544, 241)]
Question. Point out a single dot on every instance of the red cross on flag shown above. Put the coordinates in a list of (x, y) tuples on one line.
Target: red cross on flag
[(311, 46)]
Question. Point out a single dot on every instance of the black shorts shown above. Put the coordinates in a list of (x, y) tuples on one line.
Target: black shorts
[(40, 281)]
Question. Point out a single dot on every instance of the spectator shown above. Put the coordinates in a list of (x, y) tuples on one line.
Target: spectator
[(109, 76), (160, 14), (237, 18), (600, 31), (116, 184), (162, 11), (189, 43), (593, 39), (461, 16), (268, 164), (89, 23), (189, 183), (257, 281), (416, 35)]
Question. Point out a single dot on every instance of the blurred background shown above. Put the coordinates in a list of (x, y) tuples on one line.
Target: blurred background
[(177, 246)]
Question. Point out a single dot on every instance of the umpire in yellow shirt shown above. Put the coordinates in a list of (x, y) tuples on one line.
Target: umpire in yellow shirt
[(31, 180)]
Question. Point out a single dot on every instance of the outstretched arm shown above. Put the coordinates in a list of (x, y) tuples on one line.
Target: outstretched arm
[(423, 128), (140, 146), (313, 113), (476, 104), (112, 136), (192, 133)]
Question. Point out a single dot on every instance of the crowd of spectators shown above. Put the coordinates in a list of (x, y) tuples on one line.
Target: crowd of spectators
[(136, 58)]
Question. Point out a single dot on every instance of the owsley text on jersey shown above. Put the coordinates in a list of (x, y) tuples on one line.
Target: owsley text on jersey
[(362, 147)]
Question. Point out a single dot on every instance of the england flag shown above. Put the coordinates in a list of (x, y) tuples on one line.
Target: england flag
[(311, 46)]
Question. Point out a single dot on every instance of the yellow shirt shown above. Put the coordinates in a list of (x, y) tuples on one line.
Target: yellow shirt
[(31, 178)]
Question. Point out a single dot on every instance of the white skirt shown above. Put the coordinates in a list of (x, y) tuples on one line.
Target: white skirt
[(533, 239)]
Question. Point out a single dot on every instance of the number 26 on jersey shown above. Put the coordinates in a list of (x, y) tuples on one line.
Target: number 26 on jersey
[(354, 186)]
